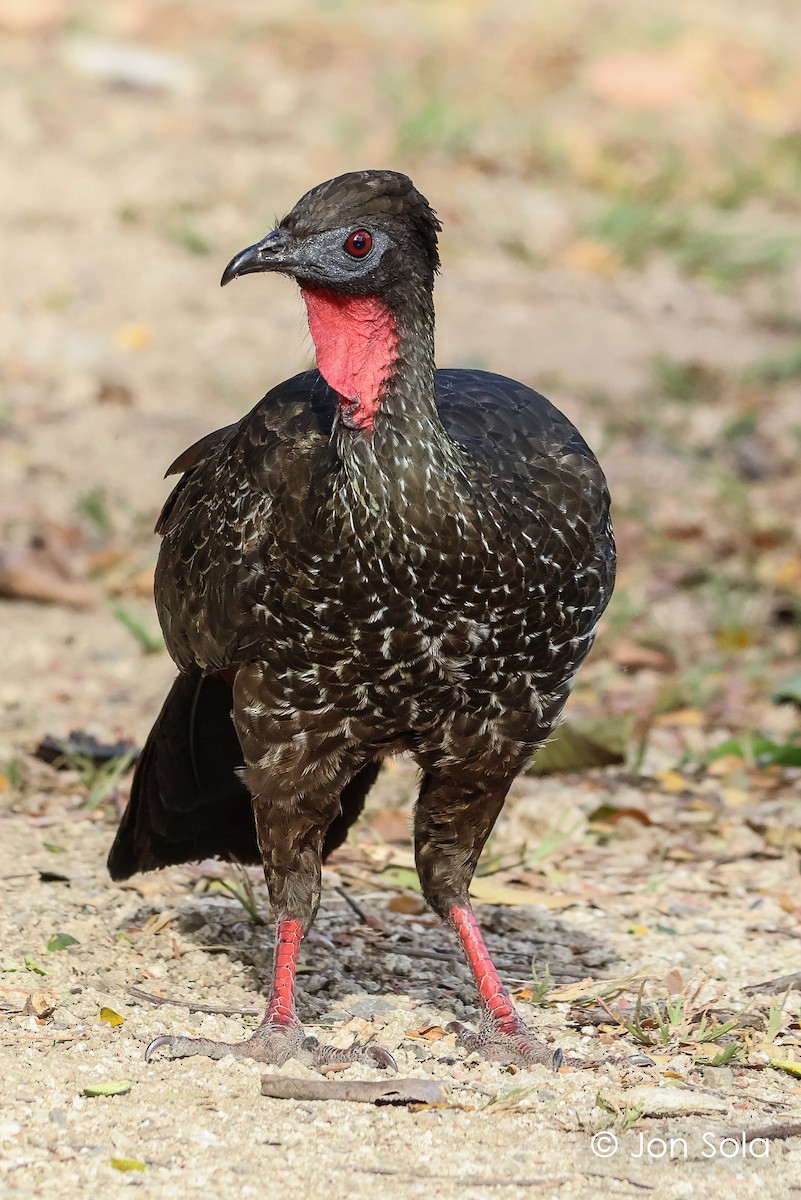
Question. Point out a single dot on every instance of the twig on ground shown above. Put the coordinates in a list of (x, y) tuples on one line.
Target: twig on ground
[(398, 1091), (782, 984), (778, 1133), (218, 1010), (369, 919)]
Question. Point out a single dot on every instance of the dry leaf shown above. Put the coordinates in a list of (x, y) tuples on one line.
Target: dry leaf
[(413, 905), (673, 983), (34, 573), (672, 781), (482, 888), (571, 992), (40, 1005), (588, 255), (133, 336), (428, 1033), (681, 716), (159, 921), (631, 656), (391, 824)]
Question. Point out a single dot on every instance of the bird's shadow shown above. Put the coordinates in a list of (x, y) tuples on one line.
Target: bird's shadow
[(363, 957)]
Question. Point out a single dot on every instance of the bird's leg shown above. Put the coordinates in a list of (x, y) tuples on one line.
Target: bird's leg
[(291, 843), (280, 1035), (451, 827), (502, 1034)]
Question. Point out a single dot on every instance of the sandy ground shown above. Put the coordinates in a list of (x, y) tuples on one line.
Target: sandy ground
[(197, 1125), (118, 349)]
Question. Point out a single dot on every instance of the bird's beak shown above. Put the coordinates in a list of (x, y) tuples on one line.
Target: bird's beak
[(273, 253)]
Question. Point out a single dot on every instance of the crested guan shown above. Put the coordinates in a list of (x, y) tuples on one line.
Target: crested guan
[(380, 558)]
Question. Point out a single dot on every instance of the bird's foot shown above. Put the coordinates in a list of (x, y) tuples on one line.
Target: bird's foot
[(275, 1043), (509, 1042)]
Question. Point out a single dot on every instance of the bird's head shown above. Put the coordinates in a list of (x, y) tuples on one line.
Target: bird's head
[(361, 234), (363, 248)]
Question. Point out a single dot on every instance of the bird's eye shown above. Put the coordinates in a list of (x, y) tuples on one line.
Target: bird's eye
[(359, 243)]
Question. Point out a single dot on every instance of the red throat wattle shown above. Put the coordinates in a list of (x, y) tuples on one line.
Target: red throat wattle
[(356, 339)]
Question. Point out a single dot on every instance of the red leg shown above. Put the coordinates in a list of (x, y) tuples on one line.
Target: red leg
[(502, 1034), (280, 1035), (281, 1007)]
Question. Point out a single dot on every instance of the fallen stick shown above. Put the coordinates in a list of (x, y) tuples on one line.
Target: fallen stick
[(777, 1133), (399, 1091), (782, 984), (218, 1010)]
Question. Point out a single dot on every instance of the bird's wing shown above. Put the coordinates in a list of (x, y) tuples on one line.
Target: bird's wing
[(528, 462), (509, 426), (522, 446), (217, 525)]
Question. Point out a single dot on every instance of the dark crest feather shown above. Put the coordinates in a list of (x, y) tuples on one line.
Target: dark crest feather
[(361, 195)]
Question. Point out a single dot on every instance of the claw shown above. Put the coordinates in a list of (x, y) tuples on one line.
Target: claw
[(499, 1045), (381, 1057), (186, 1047), (162, 1040)]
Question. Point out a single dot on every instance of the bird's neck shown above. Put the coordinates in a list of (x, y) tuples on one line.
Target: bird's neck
[(378, 358)]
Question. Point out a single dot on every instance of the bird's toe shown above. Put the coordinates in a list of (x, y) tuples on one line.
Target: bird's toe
[(368, 1052), (516, 1046), (187, 1047), (274, 1044)]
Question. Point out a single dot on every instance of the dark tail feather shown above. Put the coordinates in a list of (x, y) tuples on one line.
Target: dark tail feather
[(187, 802)]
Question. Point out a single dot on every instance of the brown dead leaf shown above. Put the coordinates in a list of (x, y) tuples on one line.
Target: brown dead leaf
[(609, 814), (159, 921), (788, 574), (727, 764), (589, 255), (483, 888), (35, 573), (631, 656), (413, 905), (147, 888), (142, 583), (685, 531), (428, 1033), (673, 983), (105, 559), (40, 1005), (391, 824), (680, 716), (114, 391), (574, 991)]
